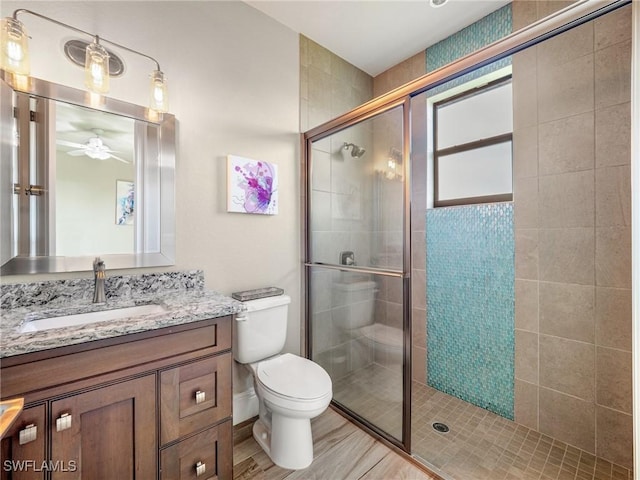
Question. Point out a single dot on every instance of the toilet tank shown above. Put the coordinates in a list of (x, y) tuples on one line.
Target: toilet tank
[(261, 331)]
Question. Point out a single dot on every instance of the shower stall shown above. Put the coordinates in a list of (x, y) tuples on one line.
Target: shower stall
[(468, 256)]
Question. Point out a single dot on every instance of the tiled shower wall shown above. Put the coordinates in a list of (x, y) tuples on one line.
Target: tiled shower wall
[(470, 283), (573, 237)]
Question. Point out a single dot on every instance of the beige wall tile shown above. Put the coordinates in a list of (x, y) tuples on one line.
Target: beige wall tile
[(613, 257), (613, 196), (547, 7), (567, 419), (525, 194), (613, 317), (526, 361), (526, 253), (418, 250), (615, 436), (405, 71), (526, 404), (566, 145), (319, 56), (567, 366), (613, 379), (613, 27), (525, 100), (567, 255), (419, 328), (566, 90), (567, 311), (566, 47), (526, 305), (525, 152), (525, 12), (613, 135), (613, 75), (567, 200), (419, 289), (419, 365)]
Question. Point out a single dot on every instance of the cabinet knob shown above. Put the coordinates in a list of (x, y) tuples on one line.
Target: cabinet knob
[(200, 468), (63, 422), (200, 396), (28, 434)]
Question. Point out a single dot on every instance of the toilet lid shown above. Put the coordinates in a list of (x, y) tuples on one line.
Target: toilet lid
[(295, 377)]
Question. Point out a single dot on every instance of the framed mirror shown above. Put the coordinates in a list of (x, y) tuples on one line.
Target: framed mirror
[(79, 181)]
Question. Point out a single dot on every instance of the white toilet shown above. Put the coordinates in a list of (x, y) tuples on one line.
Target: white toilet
[(291, 390)]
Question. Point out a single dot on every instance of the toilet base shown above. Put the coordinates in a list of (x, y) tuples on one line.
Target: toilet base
[(289, 444)]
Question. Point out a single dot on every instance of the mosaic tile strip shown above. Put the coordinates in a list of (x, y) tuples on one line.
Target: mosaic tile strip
[(488, 29), (470, 304)]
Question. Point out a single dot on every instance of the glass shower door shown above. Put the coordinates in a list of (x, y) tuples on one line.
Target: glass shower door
[(357, 279)]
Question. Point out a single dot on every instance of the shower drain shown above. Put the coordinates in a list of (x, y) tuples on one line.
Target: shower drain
[(440, 427)]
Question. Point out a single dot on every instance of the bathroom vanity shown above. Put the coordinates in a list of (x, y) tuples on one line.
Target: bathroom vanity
[(146, 397)]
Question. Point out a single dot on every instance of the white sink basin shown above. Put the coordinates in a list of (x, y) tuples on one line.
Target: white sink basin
[(91, 317)]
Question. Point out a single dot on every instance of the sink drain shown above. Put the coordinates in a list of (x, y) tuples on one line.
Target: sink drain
[(440, 427)]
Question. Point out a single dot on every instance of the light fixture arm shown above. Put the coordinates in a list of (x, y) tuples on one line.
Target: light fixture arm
[(96, 38)]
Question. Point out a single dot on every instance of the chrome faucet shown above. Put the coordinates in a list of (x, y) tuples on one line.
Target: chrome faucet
[(99, 276)]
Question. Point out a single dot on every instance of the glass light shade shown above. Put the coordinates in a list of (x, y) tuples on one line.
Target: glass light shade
[(14, 42), (159, 100), (96, 68)]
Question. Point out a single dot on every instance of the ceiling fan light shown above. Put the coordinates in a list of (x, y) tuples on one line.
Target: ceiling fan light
[(96, 68), (158, 99), (14, 42)]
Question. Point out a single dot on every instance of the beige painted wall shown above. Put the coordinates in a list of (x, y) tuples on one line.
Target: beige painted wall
[(233, 78)]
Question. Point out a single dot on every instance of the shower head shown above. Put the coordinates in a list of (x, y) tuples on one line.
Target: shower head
[(356, 151)]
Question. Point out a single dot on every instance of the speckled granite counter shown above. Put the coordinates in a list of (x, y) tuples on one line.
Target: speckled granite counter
[(182, 295)]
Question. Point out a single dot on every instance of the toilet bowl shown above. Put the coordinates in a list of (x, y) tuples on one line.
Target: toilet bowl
[(291, 390)]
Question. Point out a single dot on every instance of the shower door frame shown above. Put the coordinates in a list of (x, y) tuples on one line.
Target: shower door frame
[(405, 442), (575, 14)]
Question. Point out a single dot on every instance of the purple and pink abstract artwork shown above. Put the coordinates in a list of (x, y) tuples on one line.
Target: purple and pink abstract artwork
[(252, 186)]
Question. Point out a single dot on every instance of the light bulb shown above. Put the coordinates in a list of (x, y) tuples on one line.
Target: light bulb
[(158, 100), (14, 57), (96, 68)]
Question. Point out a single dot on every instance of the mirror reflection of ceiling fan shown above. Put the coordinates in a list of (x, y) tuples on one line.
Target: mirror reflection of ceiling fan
[(94, 148)]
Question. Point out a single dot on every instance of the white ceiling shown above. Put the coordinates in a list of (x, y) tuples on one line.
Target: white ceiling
[(376, 35)]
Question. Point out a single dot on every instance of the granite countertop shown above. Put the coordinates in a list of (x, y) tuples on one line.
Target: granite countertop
[(182, 305)]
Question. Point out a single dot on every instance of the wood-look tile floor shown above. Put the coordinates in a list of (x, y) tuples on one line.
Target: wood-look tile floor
[(341, 451)]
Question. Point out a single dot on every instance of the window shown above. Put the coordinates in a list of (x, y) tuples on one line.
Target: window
[(473, 133)]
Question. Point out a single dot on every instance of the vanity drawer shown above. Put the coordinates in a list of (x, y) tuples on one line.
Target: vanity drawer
[(205, 456), (194, 396)]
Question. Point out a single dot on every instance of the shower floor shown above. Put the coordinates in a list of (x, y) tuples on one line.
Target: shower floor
[(480, 445)]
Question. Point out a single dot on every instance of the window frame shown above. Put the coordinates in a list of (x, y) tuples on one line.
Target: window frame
[(464, 147)]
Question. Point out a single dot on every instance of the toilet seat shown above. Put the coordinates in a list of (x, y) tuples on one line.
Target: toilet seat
[(292, 377)]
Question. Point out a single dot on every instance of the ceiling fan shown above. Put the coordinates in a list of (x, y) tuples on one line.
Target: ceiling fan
[(94, 148)]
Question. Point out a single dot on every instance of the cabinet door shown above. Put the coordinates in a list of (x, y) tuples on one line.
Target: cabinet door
[(194, 396), (109, 432), (205, 456), (23, 447)]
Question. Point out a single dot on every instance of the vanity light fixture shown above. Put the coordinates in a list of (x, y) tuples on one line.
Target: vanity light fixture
[(14, 59)]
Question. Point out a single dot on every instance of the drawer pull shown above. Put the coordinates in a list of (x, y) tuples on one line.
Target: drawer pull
[(28, 434), (200, 397), (63, 423), (200, 468)]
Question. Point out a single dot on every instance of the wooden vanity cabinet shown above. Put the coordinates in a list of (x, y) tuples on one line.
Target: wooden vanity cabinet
[(142, 406), (23, 447)]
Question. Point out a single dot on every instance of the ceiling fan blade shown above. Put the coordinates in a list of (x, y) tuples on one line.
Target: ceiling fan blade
[(76, 153), (65, 143), (120, 159)]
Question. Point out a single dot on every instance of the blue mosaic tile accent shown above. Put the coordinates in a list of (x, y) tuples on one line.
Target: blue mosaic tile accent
[(470, 304), (487, 30)]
